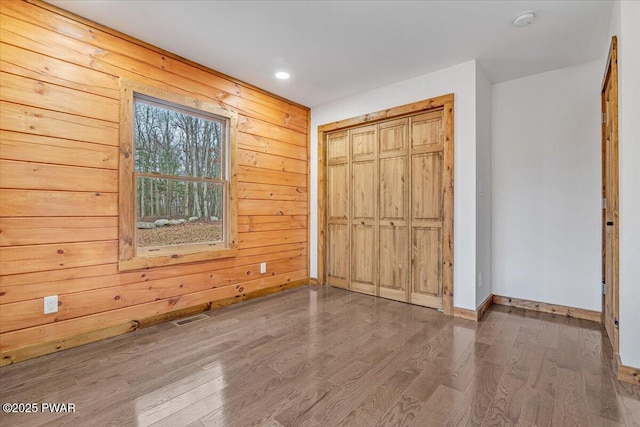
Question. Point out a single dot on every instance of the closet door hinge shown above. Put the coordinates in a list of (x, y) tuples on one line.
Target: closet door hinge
[(604, 287)]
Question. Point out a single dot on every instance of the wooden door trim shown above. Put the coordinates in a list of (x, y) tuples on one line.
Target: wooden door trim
[(625, 373), (445, 103), (545, 307), (612, 62), (389, 113), (611, 74), (308, 246)]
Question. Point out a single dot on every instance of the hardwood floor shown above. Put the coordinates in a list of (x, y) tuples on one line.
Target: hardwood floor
[(327, 357)]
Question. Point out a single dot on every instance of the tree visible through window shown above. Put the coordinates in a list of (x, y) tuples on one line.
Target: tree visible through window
[(176, 163), (180, 179)]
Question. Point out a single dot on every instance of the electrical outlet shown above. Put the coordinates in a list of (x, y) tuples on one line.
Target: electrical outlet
[(51, 304), (263, 267)]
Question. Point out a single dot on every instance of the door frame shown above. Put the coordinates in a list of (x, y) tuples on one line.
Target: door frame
[(445, 103), (610, 194)]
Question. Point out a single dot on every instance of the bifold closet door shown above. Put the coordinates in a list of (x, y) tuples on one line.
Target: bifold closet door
[(393, 235), (385, 191), (427, 150), (338, 209), (364, 186)]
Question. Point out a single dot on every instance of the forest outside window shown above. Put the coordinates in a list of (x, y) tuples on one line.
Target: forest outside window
[(177, 179)]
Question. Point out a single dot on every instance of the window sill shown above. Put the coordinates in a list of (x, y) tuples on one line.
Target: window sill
[(140, 263)]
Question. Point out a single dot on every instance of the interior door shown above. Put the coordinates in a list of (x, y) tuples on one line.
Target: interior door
[(387, 187), (426, 211), (610, 224), (338, 209), (364, 186), (393, 237)]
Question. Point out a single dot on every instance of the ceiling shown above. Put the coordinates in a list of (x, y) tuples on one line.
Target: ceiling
[(334, 49)]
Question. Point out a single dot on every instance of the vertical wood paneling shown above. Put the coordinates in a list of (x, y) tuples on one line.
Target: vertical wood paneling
[(59, 195)]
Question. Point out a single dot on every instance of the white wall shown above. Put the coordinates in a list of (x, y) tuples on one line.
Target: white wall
[(546, 187), (543, 198), (624, 24), (483, 186), (459, 80)]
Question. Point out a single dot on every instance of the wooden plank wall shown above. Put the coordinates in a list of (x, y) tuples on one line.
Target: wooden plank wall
[(59, 181)]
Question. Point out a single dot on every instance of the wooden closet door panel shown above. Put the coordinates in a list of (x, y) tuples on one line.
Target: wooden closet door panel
[(364, 184), (392, 203), (393, 136), (363, 142), (338, 147), (426, 271), (393, 189), (610, 194), (363, 197), (338, 190), (393, 195), (363, 256), (426, 208), (338, 255), (426, 129), (337, 213), (426, 186), (393, 262)]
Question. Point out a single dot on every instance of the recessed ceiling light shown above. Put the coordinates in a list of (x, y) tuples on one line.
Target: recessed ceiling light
[(524, 18), (282, 75)]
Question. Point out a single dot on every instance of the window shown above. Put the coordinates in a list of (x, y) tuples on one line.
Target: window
[(177, 179)]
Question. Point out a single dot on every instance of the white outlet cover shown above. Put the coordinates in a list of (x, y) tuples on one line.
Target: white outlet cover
[(263, 267), (51, 304)]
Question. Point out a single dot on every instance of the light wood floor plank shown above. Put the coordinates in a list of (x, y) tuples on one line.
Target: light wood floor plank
[(326, 357)]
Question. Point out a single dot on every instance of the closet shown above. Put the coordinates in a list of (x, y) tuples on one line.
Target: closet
[(385, 207)]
